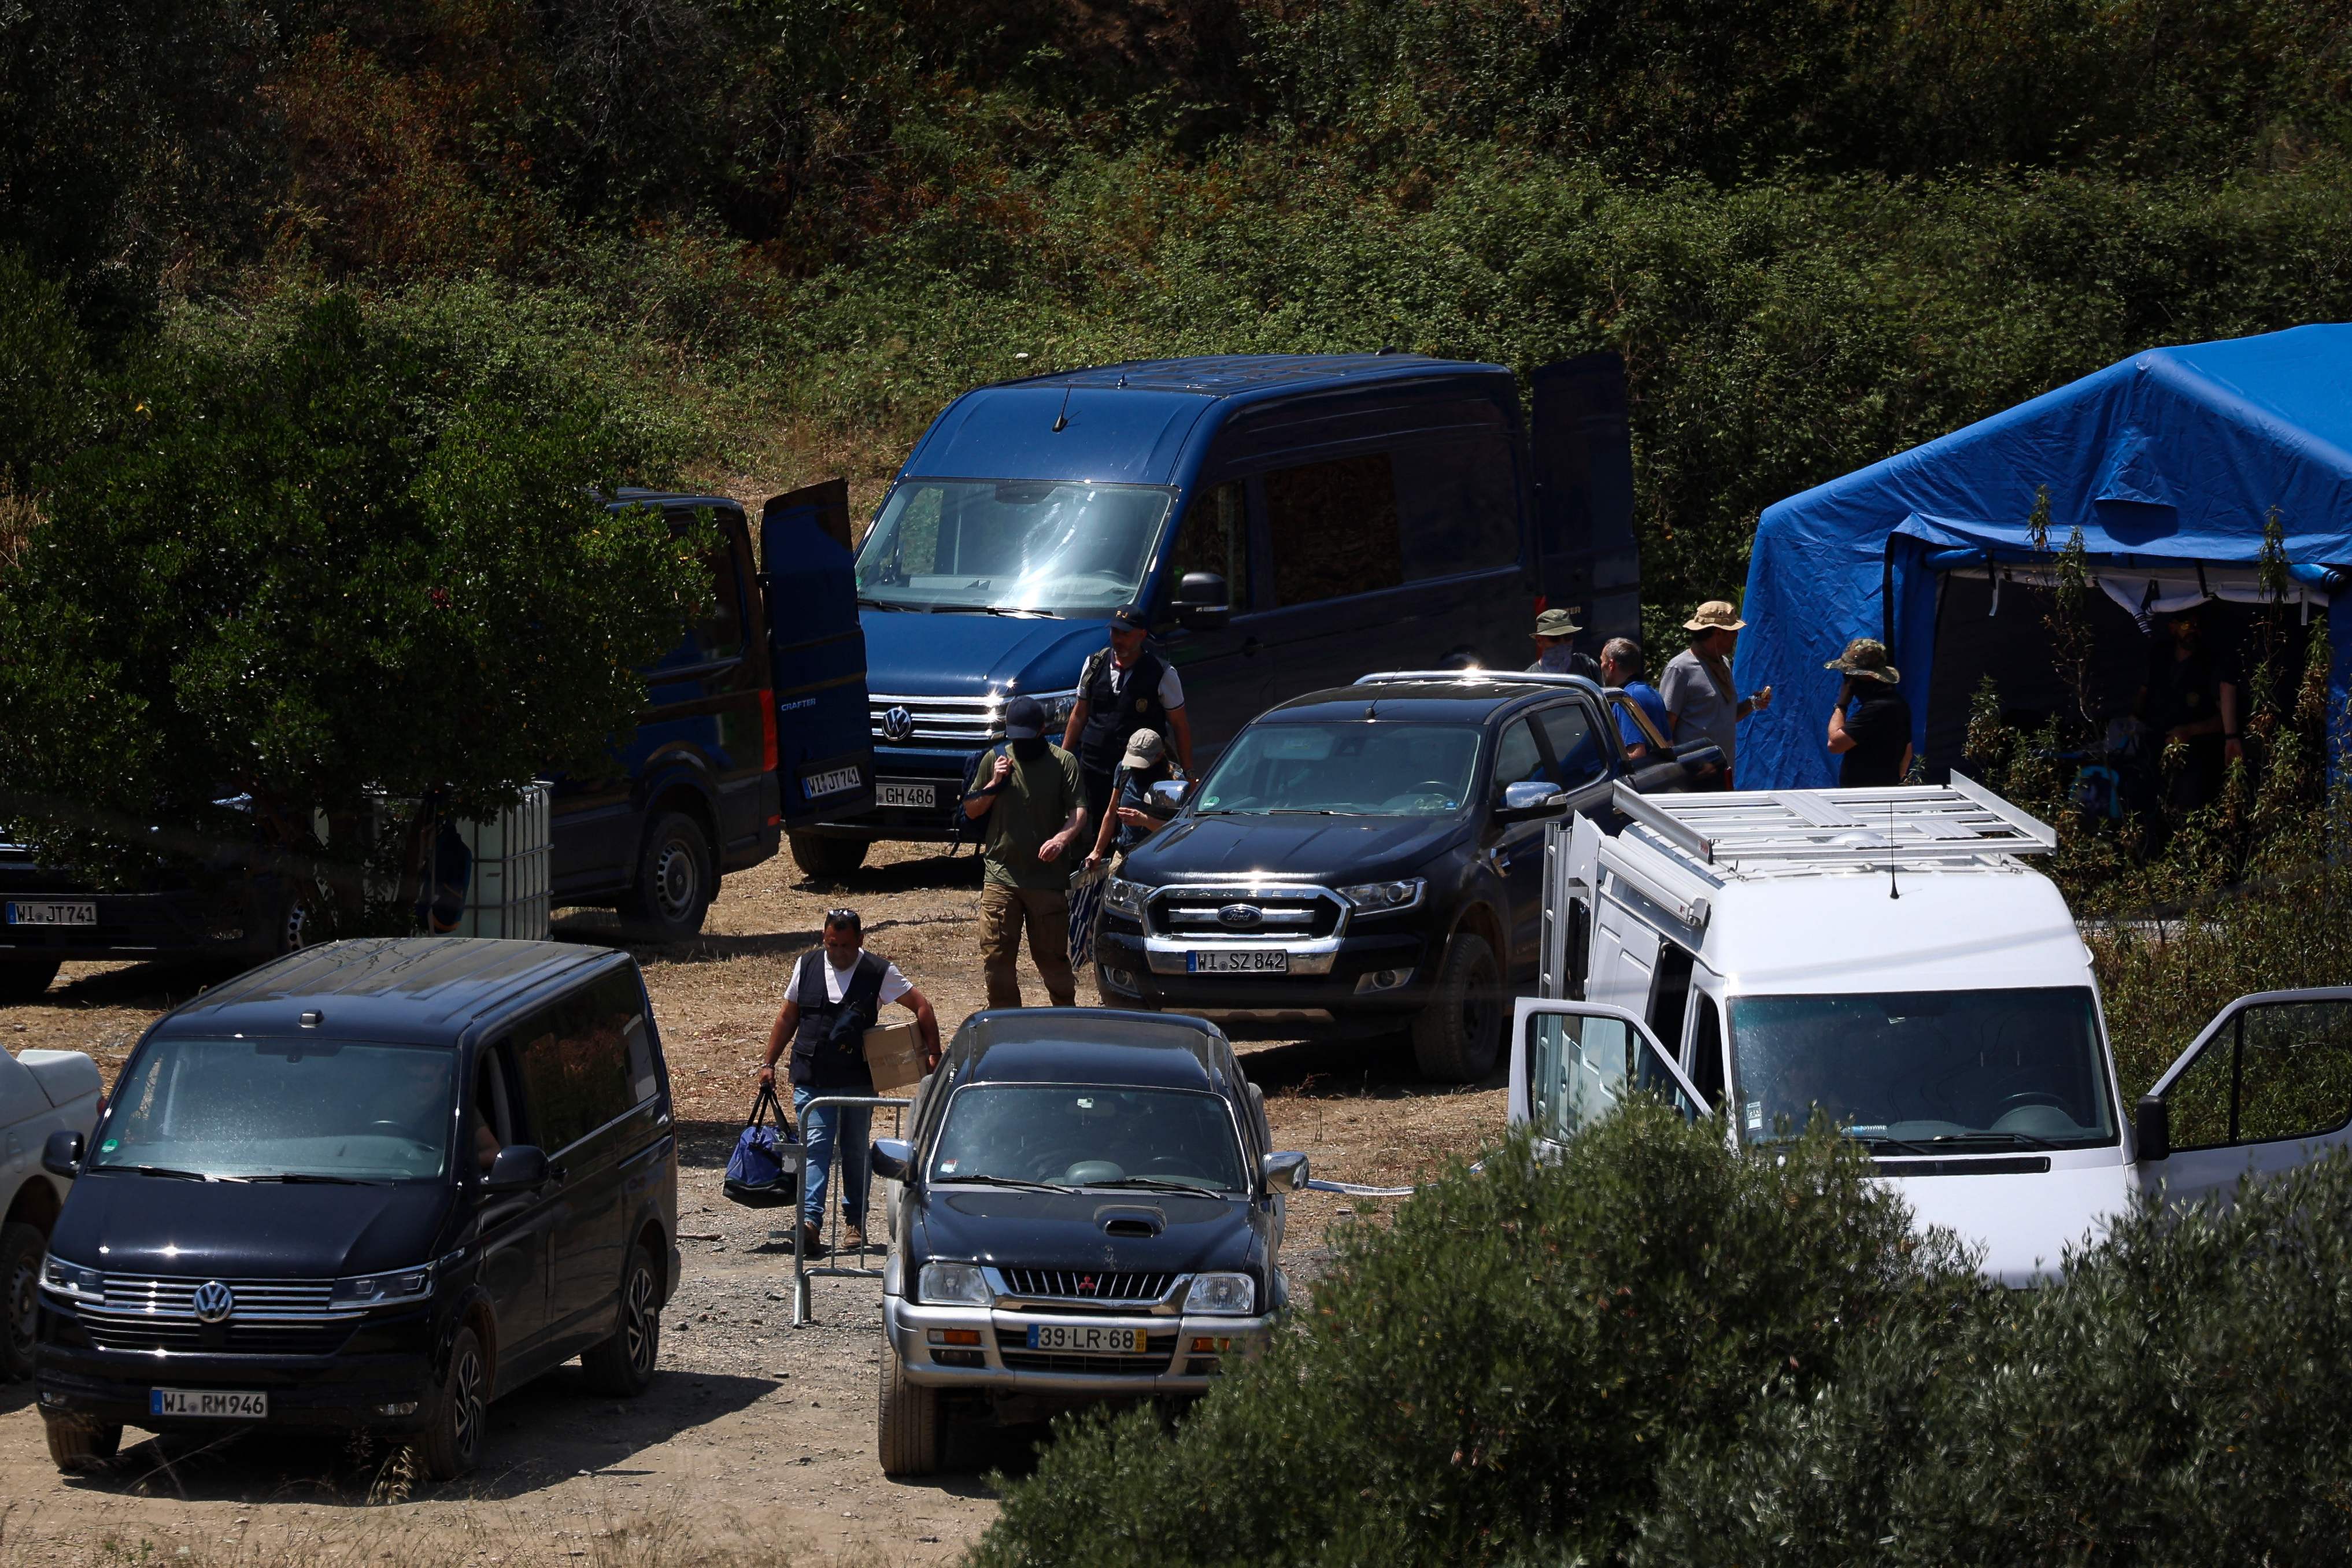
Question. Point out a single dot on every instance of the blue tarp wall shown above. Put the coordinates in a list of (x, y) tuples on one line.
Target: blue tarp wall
[(2167, 462)]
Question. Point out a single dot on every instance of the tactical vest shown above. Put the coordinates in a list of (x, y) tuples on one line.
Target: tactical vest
[(1114, 715), (829, 1047)]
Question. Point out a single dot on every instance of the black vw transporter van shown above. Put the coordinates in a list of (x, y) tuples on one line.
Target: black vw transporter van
[(375, 1184)]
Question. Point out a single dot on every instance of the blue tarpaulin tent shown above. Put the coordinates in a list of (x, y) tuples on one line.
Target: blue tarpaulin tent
[(2170, 463)]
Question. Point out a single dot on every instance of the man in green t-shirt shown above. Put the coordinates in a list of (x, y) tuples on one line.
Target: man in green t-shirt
[(1029, 795)]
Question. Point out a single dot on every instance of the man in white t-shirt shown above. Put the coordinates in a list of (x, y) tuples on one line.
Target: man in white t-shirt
[(836, 994)]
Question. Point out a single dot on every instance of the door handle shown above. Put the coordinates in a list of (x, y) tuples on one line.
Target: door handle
[(559, 1174)]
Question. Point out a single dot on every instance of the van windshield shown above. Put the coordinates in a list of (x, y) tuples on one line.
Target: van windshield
[(255, 1110), (1051, 546), (1082, 1135), (1914, 1071), (1360, 768)]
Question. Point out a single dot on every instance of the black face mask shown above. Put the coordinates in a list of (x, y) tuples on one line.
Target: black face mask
[(1029, 751)]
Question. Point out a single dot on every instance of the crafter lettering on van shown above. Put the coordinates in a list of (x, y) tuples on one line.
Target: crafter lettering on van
[(1285, 521)]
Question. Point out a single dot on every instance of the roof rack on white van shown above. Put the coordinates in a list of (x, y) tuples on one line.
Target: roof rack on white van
[(1906, 822), (1506, 677)]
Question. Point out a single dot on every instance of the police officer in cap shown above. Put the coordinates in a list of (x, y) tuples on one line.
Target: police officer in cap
[(836, 992), (1124, 688)]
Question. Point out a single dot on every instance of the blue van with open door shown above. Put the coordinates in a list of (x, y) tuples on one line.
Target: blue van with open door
[(1288, 523), (755, 725)]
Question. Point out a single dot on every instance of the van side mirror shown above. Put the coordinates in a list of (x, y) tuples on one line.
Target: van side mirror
[(61, 1155), (893, 1158), (2152, 1129), (518, 1166), (1203, 602), (1282, 1171)]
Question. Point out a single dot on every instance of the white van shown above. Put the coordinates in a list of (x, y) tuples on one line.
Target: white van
[(1885, 954)]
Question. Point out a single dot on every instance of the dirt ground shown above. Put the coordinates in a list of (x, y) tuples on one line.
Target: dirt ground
[(756, 1443)]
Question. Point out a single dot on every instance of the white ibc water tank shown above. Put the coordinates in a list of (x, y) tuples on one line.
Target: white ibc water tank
[(508, 893)]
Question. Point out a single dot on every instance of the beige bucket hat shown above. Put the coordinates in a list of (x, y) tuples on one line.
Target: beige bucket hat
[(1715, 615)]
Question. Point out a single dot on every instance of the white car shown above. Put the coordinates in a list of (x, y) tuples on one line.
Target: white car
[(41, 1092)]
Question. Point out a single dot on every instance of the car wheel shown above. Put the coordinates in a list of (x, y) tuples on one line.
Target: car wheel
[(461, 1415), (623, 1365), (907, 1422), (827, 859), (676, 882), (1456, 1039), (76, 1444), (296, 926), (22, 981), (20, 1298)]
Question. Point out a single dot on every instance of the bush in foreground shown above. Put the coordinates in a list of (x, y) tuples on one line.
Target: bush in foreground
[(1501, 1371)]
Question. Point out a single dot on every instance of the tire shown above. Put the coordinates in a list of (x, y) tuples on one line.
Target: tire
[(827, 859), (76, 1446), (1458, 1037), (21, 1246), (295, 926), (907, 1420), (453, 1443), (23, 981), (676, 878), (623, 1365)]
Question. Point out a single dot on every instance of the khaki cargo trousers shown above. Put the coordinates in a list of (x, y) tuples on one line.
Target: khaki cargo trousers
[(1047, 912)]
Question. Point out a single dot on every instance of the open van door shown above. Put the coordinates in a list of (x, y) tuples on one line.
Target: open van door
[(1583, 453), (824, 737), (1572, 863), (2267, 1087), (1572, 1061)]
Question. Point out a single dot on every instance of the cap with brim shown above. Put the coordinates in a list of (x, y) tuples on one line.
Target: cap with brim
[(1024, 718), (1715, 615), (1867, 657), (1143, 749), (1127, 619), (1556, 623)]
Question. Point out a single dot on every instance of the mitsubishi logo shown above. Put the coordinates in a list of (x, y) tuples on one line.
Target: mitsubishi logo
[(1240, 915), (898, 724), (1086, 1284), (214, 1301)]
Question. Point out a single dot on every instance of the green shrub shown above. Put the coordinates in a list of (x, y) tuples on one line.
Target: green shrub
[(1501, 1371)]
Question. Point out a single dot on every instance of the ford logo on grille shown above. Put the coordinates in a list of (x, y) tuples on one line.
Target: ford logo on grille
[(898, 724), (214, 1302), (1240, 915)]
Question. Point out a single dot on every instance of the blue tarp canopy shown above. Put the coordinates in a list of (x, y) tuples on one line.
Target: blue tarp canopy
[(2170, 463)]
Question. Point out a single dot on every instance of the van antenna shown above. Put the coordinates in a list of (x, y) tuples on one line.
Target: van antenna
[(1062, 419), (1891, 891)]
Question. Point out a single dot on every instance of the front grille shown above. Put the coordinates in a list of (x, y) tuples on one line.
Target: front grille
[(257, 1301), (969, 722), (1161, 1350), (134, 1331), (1080, 1285), (1282, 913)]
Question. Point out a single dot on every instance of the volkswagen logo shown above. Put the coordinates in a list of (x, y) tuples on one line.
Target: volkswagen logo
[(214, 1301), (1240, 915), (898, 724)]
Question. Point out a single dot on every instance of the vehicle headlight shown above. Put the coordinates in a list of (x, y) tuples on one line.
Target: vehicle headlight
[(953, 1285), (1379, 898), (1222, 1295), (383, 1290), (1057, 706), (71, 1280), (1122, 897)]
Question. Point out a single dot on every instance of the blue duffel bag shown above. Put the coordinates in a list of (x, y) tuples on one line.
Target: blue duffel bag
[(762, 1173)]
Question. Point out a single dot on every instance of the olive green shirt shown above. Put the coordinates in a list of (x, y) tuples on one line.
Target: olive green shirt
[(1036, 801)]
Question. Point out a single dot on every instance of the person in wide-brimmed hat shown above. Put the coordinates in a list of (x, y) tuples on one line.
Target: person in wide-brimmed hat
[(1872, 743), (1696, 684), (1554, 653)]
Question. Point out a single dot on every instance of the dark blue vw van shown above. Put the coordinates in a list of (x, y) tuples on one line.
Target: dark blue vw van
[(1288, 523)]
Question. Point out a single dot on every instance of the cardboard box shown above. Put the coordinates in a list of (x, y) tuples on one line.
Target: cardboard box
[(894, 1055)]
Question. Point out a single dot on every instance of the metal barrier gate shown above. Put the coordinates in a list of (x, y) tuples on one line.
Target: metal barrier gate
[(831, 1223)]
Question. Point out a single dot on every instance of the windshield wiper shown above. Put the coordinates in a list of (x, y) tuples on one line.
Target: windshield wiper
[(1896, 1145), (1015, 1183), (865, 604), (1995, 1134), (175, 1175), (292, 1176), (1158, 1185)]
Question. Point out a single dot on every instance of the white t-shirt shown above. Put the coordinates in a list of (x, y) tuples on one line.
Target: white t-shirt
[(837, 981), (1171, 691)]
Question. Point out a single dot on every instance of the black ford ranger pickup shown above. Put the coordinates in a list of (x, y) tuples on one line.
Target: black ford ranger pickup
[(1371, 858)]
